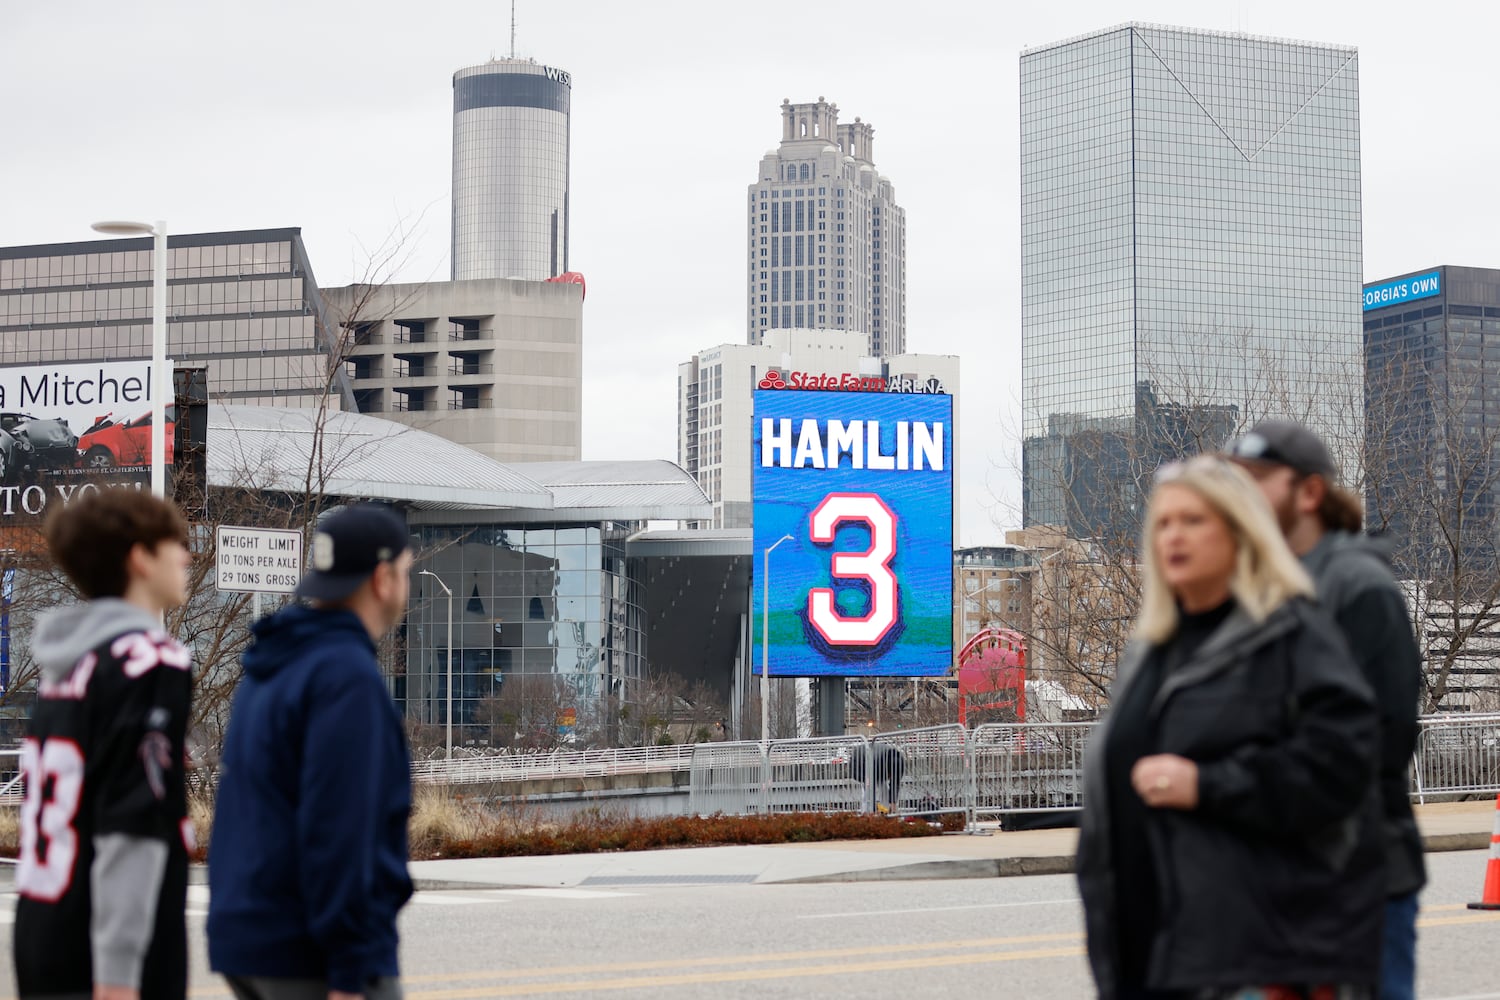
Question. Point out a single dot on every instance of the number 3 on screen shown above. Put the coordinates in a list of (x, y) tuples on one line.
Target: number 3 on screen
[(873, 566)]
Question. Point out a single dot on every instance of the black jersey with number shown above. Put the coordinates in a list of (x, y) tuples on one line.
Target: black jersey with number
[(104, 769)]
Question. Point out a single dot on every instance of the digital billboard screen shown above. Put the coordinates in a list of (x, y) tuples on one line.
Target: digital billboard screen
[(855, 492)]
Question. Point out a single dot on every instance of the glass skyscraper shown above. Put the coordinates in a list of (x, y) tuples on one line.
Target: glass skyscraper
[(510, 170), (1190, 255)]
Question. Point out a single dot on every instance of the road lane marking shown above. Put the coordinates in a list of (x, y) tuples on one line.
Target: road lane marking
[(746, 975), (744, 959), (680, 963), (565, 893), (1478, 918), (437, 899), (934, 909)]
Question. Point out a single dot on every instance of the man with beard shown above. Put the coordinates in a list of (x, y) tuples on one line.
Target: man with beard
[(1322, 524)]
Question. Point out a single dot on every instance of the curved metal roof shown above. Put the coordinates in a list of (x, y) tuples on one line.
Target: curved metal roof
[(272, 448)]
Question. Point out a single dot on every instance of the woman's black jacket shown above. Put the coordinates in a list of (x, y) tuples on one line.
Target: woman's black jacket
[(1277, 876)]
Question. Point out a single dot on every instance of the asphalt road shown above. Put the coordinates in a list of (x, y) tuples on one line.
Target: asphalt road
[(1012, 937)]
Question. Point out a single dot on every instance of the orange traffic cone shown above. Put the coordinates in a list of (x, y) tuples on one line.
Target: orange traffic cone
[(1491, 900)]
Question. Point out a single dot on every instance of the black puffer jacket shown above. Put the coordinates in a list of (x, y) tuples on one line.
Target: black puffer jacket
[(1358, 590), (1278, 875)]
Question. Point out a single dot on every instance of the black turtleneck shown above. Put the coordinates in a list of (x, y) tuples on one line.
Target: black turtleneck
[(1132, 735)]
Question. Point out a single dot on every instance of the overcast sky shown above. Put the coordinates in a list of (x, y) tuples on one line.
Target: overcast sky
[(337, 117)]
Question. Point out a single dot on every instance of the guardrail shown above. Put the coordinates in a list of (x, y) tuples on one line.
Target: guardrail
[(556, 764)]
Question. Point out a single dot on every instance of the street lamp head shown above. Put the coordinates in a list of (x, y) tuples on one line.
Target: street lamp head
[(116, 227), (440, 583)]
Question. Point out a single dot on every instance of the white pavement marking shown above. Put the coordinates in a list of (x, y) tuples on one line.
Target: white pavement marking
[(564, 893), (465, 899), (1472, 996), (939, 909)]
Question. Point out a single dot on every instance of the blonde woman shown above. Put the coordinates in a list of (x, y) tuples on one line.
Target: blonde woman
[(1229, 844)]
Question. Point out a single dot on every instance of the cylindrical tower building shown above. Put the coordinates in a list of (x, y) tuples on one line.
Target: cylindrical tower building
[(510, 170)]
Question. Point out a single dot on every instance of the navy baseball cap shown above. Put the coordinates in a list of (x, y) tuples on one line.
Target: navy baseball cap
[(1283, 442), (346, 548)]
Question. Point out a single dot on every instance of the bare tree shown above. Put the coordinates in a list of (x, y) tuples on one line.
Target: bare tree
[(1091, 475)]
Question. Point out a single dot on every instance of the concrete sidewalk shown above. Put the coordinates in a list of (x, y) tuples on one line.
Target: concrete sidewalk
[(1458, 826)]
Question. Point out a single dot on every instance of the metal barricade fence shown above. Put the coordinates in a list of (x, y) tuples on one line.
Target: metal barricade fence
[(919, 772), (811, 775), (817, 775), (1456, 755), (1028, 767), (728, 778), (11, 789)]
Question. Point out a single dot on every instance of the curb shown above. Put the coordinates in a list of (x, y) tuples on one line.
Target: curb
[(1061, 864), (444, 885), (965, 868)]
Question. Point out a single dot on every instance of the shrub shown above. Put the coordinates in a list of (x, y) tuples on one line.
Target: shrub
[(490, 833)]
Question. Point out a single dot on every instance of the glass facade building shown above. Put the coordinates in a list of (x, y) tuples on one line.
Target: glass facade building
[(555, 612), (510, 170), (826, 239), (1191, 254), (1432, 355), (243, 304)]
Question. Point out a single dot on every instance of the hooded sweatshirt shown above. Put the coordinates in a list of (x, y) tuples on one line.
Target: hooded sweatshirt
[(1357, 587), (103, 902), (307, 869)]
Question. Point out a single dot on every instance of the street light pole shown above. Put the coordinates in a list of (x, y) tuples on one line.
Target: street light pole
[(765, 640), (448, 737), (161, 379)]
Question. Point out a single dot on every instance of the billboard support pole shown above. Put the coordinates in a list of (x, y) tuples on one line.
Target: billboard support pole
[(831, 705), (161, 382), (765, 640), (161, 379)]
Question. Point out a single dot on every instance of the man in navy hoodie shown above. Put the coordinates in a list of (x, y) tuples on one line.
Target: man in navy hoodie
[(307, 869)]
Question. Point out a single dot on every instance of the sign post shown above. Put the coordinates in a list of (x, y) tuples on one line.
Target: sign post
[(258, 560)]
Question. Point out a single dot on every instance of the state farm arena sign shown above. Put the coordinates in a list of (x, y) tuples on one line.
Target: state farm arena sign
[(775, 378)]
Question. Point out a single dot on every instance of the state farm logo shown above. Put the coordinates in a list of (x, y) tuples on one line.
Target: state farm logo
[(777, 379)]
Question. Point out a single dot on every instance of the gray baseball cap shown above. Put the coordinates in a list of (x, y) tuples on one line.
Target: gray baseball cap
[(1284, 442)]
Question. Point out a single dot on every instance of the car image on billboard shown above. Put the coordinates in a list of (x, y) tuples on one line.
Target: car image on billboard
[(855, 490)]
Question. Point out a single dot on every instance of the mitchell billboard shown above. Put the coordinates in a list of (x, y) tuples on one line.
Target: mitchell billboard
[(65, 428)]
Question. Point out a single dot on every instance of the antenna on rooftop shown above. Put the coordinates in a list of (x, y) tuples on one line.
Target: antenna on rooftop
[(512, 29)]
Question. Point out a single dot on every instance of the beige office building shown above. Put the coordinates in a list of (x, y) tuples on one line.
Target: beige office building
[(495, 364)]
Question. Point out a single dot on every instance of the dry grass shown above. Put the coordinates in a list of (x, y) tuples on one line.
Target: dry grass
[(445, 825), (10, 831)]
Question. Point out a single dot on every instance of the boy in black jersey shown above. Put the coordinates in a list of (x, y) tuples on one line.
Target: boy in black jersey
[(102, 875)]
